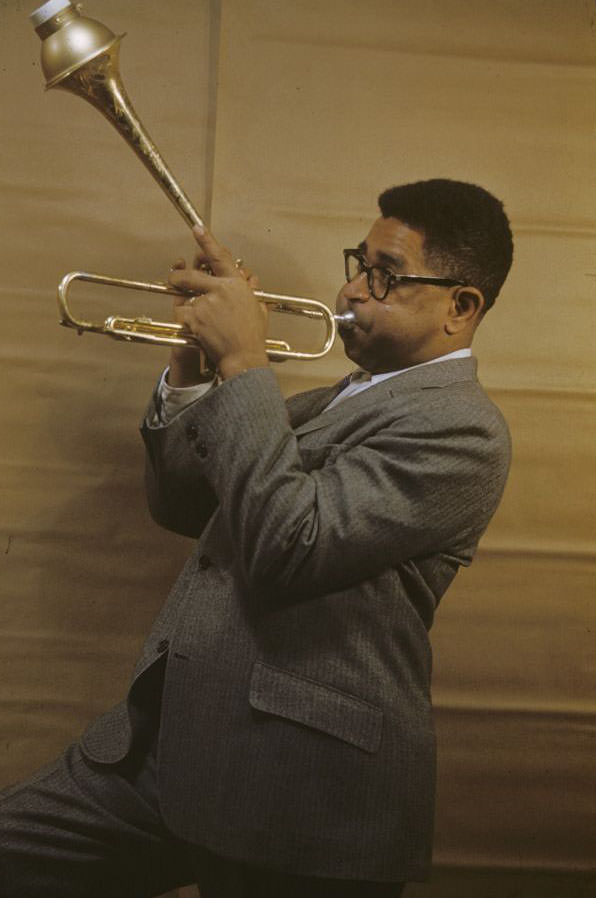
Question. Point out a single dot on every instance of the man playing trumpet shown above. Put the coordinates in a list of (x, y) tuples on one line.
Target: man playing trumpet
[(277, 739)]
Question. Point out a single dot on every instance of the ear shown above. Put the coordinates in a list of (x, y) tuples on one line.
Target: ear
[(465, 310)]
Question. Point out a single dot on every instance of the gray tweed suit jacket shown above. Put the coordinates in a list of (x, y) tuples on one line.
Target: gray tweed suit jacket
[(296, 726)]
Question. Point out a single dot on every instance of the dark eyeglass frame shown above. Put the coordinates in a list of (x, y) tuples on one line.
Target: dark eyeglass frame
[(392, 279)]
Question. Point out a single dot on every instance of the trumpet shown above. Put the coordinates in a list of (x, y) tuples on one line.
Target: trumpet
[(80, 55), (168, 333)]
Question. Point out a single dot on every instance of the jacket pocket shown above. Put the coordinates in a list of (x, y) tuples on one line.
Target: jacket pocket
[(324, 708)]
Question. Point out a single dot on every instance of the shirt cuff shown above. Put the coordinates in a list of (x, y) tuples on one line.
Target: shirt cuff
[(170, 401)]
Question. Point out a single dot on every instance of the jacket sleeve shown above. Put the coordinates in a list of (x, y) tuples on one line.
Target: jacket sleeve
[(426, 484), (180, 498)]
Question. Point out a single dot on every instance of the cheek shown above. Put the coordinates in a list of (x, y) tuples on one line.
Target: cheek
[(415, 313), (401, 324), (393, 317)]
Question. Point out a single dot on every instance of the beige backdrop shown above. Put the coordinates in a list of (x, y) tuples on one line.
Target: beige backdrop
[(285, 120)]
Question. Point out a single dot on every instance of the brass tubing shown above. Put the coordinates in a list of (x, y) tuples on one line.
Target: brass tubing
[(169, 333)]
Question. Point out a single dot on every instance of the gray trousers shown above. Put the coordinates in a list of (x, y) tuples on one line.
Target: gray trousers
[(83, 830)]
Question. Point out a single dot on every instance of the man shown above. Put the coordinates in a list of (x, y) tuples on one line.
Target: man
[(278, 739)]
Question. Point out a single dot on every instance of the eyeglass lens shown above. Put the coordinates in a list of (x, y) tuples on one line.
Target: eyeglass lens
[(378, 278)]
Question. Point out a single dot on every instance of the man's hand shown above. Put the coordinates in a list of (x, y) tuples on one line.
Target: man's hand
[(223, 313)]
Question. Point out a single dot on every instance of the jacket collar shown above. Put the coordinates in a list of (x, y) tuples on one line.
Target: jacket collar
[(307, 409)]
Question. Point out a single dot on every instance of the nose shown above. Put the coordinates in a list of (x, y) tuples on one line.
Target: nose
[(356, 290)]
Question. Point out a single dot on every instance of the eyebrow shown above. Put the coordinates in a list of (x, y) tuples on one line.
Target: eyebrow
[(384, 258)]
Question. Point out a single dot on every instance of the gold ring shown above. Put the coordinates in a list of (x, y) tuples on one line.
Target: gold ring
[(239, 263)]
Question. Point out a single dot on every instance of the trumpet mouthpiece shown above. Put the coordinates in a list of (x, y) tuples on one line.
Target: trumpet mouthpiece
[(346, 320)]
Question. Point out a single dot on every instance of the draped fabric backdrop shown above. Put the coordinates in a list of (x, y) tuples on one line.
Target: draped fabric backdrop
[(283, 121)]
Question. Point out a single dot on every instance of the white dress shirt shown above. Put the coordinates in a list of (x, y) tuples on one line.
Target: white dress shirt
[(362, 380), (172, 400)]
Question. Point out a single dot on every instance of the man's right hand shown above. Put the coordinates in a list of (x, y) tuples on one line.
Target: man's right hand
[(188, 364)]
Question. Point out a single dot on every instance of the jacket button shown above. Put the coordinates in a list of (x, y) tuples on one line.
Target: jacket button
[(191, 432), (202, 450), (162, 645), (204, 562)]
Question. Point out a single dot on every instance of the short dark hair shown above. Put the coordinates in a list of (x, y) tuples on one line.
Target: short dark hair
[(466, 231)]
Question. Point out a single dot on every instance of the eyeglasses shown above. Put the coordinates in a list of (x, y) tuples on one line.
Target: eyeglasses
[(381, 280)]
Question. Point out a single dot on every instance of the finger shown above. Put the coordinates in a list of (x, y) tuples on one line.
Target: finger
[(200, 261), (242, 269), (178, 265), (192, 280), (219, 258), (188, 317), (182, 312)]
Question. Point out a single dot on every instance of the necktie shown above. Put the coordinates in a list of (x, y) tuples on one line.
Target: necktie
[(351, 384)]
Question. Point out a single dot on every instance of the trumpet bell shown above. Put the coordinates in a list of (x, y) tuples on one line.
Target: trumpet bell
[(69, 40), (80, 55)]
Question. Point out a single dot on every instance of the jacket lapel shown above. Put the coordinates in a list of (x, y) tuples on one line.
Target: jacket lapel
[(307, 409), (303, 407)]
